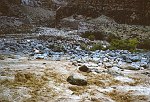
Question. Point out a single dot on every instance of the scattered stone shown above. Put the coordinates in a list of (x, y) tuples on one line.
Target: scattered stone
[(75, 63), (77, 79), (147, 73), (91, 64), (40, 56), (144, 65), (128, 61), (135, 58), (84, 69), (115, 69), (95, 70), (55, 44), (106, 59), (132, 67), (108, 65)]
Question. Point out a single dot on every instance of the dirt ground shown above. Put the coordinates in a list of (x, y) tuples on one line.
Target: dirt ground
[(24, 80)]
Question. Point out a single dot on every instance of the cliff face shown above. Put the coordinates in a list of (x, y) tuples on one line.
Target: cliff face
[(28, 11), (123, 11)]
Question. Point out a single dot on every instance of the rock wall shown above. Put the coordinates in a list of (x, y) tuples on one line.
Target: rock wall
[(28, 11), (123, 11)]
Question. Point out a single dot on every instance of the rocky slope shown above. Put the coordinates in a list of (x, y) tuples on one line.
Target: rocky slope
[(126, 11)]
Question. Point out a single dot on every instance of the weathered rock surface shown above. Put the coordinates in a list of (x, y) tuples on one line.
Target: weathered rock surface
[(125, 11), (84, 68), (77, 79)]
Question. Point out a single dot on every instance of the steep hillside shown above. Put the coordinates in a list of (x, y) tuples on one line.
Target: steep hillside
[(124, 11)]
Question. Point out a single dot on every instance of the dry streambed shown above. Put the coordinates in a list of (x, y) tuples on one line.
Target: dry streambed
[(23, 80)]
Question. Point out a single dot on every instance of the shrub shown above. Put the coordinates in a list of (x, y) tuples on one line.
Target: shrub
[(93, 35), (111, 37), (145, 44), (2, 57), (84, 46), (91, 47), (129, 44), (97, 46)]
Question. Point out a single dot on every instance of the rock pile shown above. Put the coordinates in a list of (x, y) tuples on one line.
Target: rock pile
[(58, 44), (115, 58)]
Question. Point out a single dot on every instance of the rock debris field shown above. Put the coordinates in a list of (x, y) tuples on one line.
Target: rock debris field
[(50, 66)]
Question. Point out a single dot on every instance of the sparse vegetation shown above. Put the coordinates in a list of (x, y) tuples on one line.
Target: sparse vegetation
[(97, 46), (137, 81), (130, 44), (102, 80), (2, 57), (92, 47), (84, 46), (145, 44), (25, 79), (94, 35), (112, 37), (78, 90), (91, 37), (56, 77), (125, 96), (120, 96)]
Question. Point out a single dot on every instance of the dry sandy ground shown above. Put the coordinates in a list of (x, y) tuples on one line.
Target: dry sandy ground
[(23, 80)]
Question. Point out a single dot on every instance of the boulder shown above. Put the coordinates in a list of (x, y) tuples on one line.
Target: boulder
[(84, 68), (77, 79)]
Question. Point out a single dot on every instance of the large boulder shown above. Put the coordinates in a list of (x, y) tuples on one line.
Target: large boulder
[(77, 79)]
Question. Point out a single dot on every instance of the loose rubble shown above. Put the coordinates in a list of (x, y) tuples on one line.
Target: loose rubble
[(59, 45)]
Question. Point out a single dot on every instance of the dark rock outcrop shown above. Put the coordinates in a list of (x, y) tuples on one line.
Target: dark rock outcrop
[(125, 11)]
